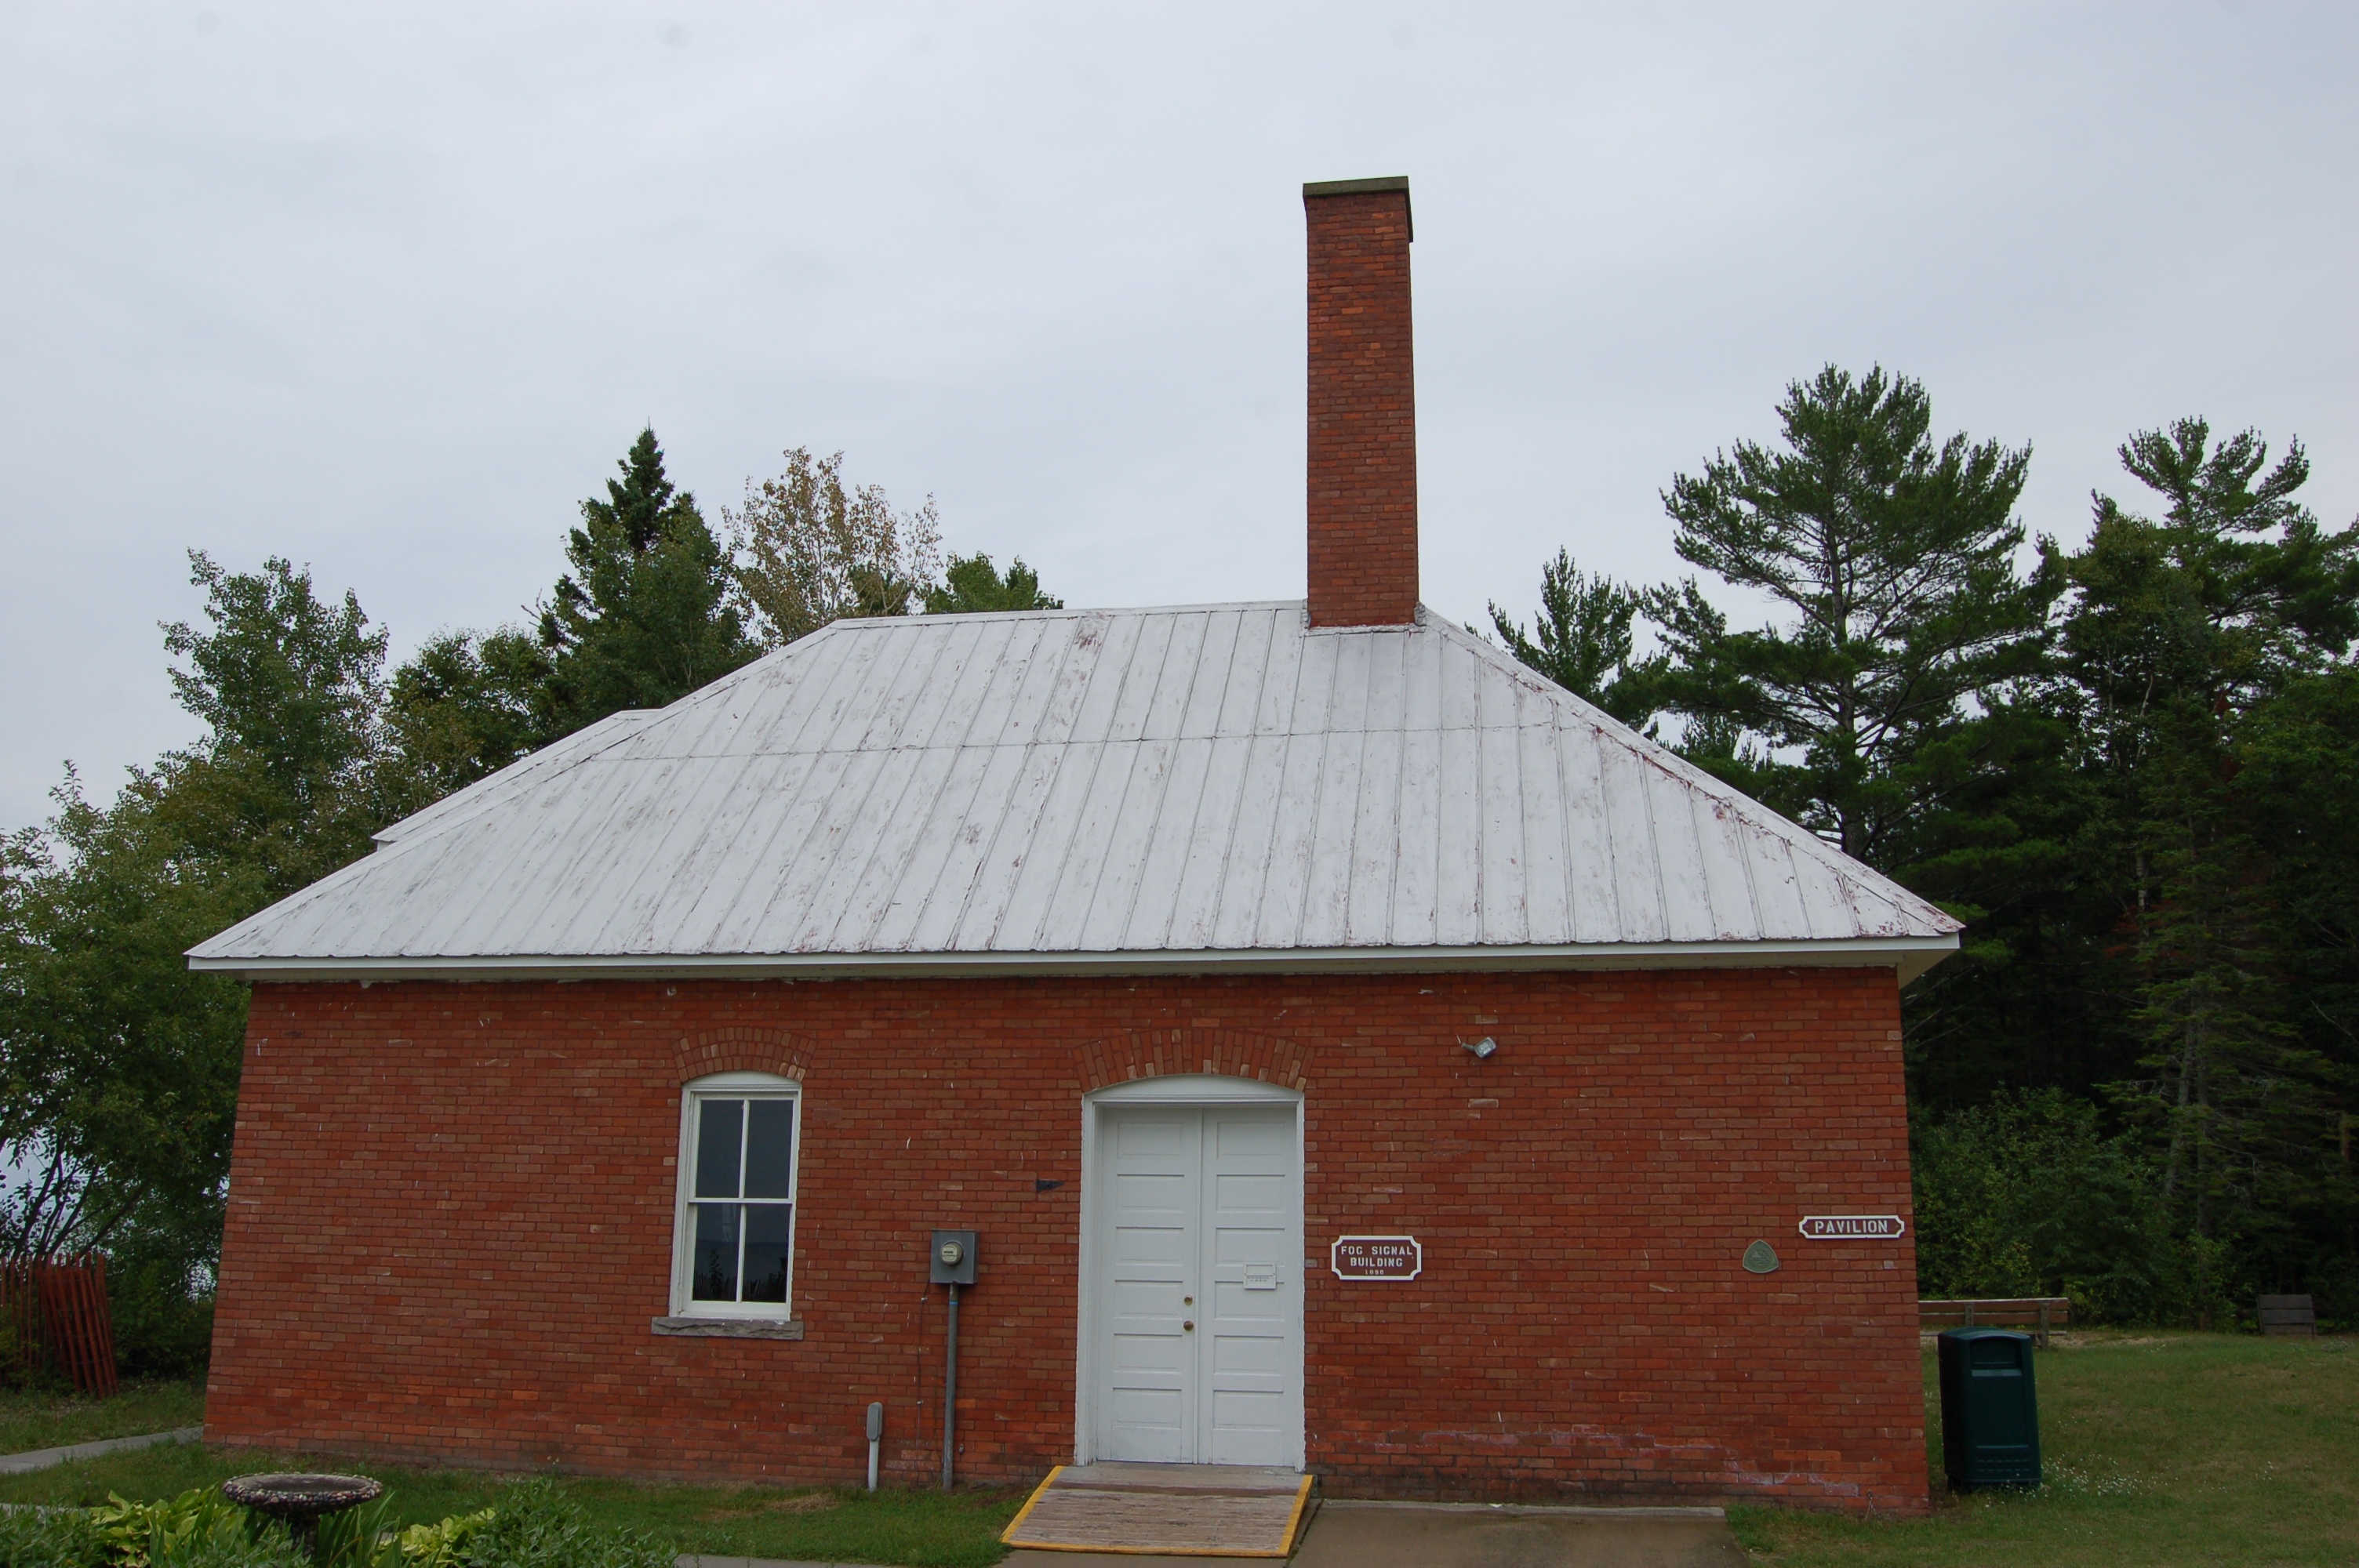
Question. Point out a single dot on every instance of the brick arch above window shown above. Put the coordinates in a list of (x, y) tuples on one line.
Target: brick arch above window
[(1160, 1052), (744, 1050)]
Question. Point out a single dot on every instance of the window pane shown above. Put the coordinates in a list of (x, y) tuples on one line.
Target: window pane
[(716, 1277), (717, 1134), (767, 1226), (770, 1150)]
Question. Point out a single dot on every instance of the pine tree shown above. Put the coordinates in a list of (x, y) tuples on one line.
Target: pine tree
[(1894, 559), (1584, 638), (2037, 995), (647, 613), (2300, 775), (2188, 633)]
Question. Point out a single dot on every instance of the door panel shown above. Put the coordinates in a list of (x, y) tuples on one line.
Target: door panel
[(1201, 1356), (1146, 1378), (1251, 1358)]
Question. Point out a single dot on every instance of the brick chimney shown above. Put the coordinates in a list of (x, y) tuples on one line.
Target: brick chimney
[(1363, 461)]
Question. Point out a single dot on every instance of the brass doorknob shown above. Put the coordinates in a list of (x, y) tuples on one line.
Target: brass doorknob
[(1189, 1326)]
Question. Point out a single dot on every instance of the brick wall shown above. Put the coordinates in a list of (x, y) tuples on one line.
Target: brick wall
[(450, 1217), (1362, 442)]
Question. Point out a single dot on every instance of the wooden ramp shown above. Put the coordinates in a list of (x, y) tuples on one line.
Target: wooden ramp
[(1172, 1510)]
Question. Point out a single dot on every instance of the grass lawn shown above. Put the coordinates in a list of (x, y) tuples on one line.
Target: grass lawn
[(31, 1421), (2160, 1449), (924, 1528)]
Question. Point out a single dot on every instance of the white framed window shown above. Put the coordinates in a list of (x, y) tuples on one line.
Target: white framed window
[(733, 1241)]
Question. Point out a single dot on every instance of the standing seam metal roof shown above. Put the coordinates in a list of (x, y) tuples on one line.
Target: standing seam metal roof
[(1208, 785)]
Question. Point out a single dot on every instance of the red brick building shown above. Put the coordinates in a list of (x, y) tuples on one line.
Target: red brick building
[(1351, 1051)]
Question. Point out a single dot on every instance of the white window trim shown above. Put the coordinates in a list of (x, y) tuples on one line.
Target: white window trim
[(729, 1086), (1195, 1088)]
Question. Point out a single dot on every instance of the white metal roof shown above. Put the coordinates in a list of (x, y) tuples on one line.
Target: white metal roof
[(1205, 786)]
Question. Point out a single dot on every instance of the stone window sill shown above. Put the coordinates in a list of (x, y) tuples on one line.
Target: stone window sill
[(730, 1327)]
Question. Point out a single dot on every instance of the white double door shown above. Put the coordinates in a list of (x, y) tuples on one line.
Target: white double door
[(1200, 1299)]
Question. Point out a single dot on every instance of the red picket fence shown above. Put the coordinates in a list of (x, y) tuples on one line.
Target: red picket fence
[(55, 1309)]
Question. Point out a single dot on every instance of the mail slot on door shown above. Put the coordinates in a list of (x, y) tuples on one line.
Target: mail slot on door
[(1261, 1276)]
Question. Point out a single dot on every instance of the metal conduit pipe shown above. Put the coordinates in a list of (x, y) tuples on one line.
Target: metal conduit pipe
[(952, 1263), (950, 1395)]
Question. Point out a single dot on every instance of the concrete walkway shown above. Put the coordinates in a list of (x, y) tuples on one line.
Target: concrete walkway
[(42, 1458), (1379, 1535), (1439, 1535)]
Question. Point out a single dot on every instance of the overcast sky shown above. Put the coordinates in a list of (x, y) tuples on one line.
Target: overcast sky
[(388, 289)]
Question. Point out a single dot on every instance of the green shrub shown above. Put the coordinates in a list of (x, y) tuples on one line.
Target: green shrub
[(443, 1545), (22, 1366), (162, 1318), (199, 1528), (536, 1526), (2026, 1196), (16, 1371), (360, 1537), (159, 1288), (49, 1538)]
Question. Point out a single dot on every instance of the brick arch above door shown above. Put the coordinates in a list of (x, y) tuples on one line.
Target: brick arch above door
[(743, 1049), (1162, 1052)]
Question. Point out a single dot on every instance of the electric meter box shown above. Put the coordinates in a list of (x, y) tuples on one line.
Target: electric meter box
[(1990, 1409), (952, 1261)]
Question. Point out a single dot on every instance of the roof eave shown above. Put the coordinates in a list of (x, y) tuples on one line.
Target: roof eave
[(1910, 956)]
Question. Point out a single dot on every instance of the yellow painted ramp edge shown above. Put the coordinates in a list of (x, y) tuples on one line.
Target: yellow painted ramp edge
[(1294, 1525), (1006, 1536), (1286, 1547)]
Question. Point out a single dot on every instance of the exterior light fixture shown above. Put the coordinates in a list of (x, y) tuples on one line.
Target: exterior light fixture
[(1480, 1049)]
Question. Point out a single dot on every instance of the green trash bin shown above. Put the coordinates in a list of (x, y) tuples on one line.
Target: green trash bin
[(1990, 1409)]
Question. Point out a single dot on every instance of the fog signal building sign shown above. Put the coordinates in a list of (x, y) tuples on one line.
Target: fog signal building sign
[(1377, 1257)]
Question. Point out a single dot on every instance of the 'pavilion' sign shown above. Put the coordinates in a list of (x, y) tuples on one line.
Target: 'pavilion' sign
[(1855, 1227), (1377, 1257)]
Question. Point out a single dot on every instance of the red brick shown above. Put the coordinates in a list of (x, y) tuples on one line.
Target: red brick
[(1363, 407), (450, 1216)]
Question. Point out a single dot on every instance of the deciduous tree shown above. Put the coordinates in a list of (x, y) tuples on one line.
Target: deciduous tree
[(463, 707), (291, 690), (972, 585), (118, 1066), (815, 550)]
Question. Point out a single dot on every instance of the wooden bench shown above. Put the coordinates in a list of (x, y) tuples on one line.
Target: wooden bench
[(2287, 1314), (2037, 1313)]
